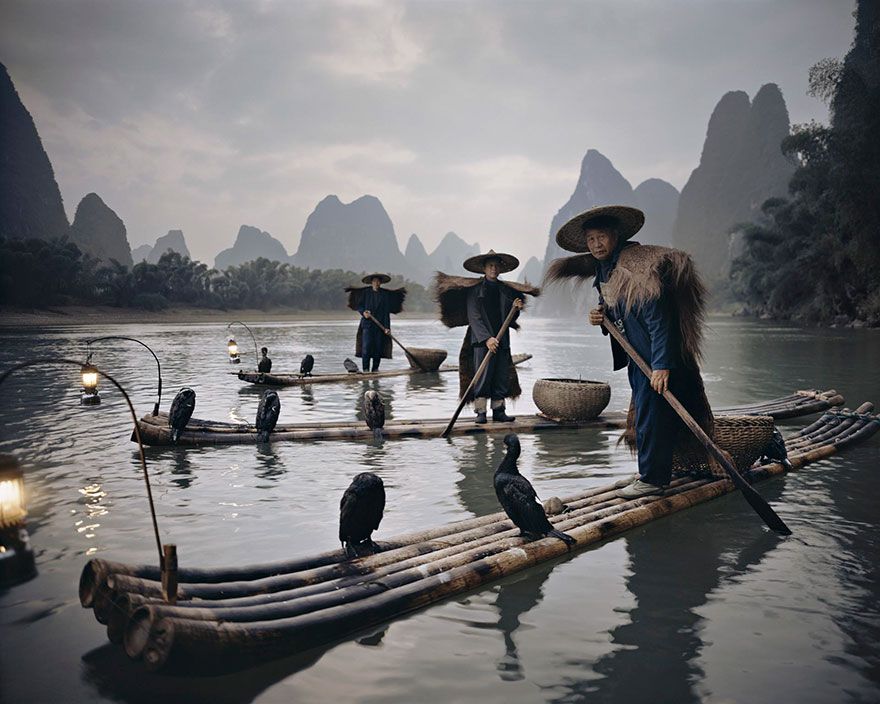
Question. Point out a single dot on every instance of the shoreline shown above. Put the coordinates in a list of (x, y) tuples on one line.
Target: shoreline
[(108, 315)]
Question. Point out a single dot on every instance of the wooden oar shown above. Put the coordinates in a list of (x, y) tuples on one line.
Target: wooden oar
[(408, 354), (756, 501), (506, 324)]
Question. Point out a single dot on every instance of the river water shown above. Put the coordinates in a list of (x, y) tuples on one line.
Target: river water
[(706, 605)]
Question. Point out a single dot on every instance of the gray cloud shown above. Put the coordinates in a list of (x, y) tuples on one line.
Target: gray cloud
[(465, 116)]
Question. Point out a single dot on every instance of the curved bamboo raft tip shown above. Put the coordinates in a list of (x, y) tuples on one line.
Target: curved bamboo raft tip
[(223, 617)]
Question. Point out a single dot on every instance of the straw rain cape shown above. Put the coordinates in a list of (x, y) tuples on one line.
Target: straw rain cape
[(355, 294), (450, 292), (644, 273)]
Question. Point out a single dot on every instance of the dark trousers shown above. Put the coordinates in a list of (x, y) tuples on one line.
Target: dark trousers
[(658, 426), (494, 382), (372, 342)]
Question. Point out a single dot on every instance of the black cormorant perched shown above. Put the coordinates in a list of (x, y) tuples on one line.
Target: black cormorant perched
[(360, 513), (306, 366), (518, 498), (267, 414), (182, 408), (374, 412), (776, 450), (350, 366)]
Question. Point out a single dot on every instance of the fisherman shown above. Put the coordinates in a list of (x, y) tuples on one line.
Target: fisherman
[(376, 305), (483, 304), (654, 295), (265, 364)]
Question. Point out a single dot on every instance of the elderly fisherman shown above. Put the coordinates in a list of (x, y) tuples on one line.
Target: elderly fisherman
[(483, 304), (655, 297), (376, 305)]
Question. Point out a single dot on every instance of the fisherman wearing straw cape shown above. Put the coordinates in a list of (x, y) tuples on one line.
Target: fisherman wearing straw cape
[(656, 299), (482, 304), (372, 301)]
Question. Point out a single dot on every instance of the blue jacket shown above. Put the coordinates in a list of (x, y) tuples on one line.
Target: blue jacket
[(650, 327)]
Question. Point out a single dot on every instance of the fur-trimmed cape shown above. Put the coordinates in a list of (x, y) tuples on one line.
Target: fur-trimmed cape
[(643, 273), (355, 295), (451, 292)]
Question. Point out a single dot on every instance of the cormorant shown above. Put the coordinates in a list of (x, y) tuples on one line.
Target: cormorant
[(775, 450), (518, 498), (182, 408), (306, 366), (350, 366), (374, 412), (360, 513), (267, 414)]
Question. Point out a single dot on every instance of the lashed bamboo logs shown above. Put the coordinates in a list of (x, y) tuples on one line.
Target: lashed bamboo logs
[(325, 598), (269, 379), (155, 430)]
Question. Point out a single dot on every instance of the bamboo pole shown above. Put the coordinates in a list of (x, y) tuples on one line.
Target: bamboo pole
[(252, 572), (167, 640)]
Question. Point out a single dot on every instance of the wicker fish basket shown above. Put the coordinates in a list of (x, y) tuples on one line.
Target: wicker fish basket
[(743, 437), (571, 399), (430, 359)]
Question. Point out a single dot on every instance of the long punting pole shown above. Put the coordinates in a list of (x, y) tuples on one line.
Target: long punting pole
[(756, 501), (411, 357), (482, 368)]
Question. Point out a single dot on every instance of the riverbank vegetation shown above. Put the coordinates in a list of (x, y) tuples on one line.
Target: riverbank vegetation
[(815, 257), (37, 273)]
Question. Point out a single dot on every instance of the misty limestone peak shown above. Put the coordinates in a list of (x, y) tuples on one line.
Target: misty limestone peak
[(30, 201), (139, 254), (531, 272), (415, 250), (451, 253), (727, 125), (100, 232), (173, 241), (741, 166), (251, 243), (356, 236), (659, 201)]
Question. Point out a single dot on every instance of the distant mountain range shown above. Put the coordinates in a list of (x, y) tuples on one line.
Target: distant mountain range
[(741, 166)]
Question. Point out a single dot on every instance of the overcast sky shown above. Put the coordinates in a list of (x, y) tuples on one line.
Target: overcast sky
[(463, 116)]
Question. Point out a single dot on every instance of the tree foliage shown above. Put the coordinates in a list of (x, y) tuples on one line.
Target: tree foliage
[(816, 255), (39, 273)]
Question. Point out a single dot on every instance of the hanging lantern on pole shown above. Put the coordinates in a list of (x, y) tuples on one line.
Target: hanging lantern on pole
[(232, 346), (90, 395), (16, 556)]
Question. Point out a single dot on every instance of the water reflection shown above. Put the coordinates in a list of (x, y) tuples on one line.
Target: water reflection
[(672, 572), (181, 467), (269, 465), (476, 492), (112, 675)]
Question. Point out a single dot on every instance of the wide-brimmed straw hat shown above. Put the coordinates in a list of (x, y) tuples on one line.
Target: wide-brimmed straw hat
[(383, 278), (477, 263), (572, 237)]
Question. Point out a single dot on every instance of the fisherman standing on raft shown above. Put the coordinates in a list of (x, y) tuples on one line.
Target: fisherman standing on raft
[(654, 295), (483, 304), (374, 303)]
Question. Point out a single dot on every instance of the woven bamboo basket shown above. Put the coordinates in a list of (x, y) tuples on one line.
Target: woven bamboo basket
[(744, 437), (430, 359), (571, 399)]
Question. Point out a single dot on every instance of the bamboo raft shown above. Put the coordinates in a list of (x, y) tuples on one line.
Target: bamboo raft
[(228, 618), (253, 377), (155, 430)]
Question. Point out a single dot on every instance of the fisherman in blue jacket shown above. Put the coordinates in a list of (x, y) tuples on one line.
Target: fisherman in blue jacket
[(655, 298)]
